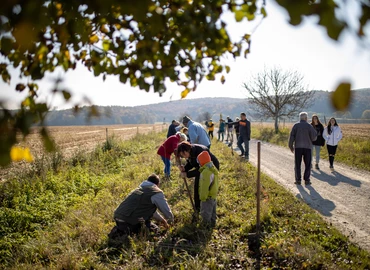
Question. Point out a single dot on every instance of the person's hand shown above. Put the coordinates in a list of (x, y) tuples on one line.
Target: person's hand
[(292, 150), (165, 224)]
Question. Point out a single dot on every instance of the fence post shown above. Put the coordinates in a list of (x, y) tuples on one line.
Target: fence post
[(258, 186), (137, 130), (106, 134)]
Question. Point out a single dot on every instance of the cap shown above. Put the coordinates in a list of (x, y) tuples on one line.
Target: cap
[(203, 158)]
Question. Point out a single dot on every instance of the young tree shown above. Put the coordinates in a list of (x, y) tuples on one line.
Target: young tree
[(278, 93), (366, 114)]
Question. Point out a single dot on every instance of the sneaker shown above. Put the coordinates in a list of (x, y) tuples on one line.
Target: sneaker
[(297, 182), (317, 166), (332, 168), (307, 183), (241, 155), (247, 159)]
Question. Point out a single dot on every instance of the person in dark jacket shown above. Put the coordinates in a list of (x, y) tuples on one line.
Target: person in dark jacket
[(300, 143), (140, 206), (172, 128), (320, 141), (191, 169), (236, 127), (244, 136)]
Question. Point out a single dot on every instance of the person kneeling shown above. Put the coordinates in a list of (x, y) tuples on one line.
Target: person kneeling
[(141, 205), (208, 189)]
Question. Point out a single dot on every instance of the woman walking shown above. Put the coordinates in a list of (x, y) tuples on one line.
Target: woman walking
[(221, 130), (316, 145), (332, 135)]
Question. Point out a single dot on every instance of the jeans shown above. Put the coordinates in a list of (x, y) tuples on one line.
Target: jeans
[(304, 153), (221, 133), (317, 149), (245, 150), (167, 166)]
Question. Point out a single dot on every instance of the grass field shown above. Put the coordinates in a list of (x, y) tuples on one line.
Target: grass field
[(59, 219), (353, 150)]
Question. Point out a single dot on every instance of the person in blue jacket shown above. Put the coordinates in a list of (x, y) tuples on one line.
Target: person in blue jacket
[(197, 133)]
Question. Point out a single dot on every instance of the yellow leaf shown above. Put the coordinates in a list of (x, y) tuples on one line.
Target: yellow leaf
[(93, 39), (185, 93), (239, 15), (106, 45), (341, 97), (223, 79), (16, 153), (227, 69), (27, 155)]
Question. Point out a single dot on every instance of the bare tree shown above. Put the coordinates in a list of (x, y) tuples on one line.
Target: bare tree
[(277, 93)]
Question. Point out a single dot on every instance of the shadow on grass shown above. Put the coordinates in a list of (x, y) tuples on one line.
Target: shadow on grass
[(315, 200), (335, 178)]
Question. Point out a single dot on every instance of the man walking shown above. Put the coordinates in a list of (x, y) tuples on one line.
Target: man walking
[(197, 133), (300, 143), (244, 136)]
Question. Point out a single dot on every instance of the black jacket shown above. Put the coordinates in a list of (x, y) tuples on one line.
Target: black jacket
[(171, 130), (196, 149), (320, 139)]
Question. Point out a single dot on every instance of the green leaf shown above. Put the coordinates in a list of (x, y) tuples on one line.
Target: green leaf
[(66, 95), (341, 97), (106, 45), (239, 15), (48, 141), (20, 87), (263, 12)]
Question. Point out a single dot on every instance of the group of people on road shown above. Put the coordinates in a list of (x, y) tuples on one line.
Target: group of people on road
[(306, 138)]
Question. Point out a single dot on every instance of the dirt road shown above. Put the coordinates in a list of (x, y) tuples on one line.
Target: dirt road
[(341, 197)]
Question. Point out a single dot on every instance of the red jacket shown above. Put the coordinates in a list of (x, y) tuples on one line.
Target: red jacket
[(169, 146)]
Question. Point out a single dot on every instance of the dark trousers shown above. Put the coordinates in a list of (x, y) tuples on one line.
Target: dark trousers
[(195, 173), (304, 153), (332, 149), (210, 134), (130, 229)]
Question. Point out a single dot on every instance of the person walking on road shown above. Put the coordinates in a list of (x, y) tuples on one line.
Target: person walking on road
[(244, 136), (319, 142), (197, 133), (300, 143), (229, 130), (332, 136)]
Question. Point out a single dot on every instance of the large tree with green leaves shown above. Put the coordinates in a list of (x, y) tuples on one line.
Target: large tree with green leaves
[(144, 43)]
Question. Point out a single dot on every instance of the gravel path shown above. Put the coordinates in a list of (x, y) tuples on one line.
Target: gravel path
[(341, 197)]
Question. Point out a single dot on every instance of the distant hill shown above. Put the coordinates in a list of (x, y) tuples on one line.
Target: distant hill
[(196, 108)]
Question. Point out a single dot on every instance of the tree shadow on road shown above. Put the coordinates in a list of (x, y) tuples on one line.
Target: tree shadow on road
[(315, 200), (335, 178)]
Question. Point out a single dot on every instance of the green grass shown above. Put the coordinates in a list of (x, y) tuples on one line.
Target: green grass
[(61, 220), (352, 151)]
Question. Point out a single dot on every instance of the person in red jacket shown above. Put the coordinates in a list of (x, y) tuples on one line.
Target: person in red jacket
[(167, 148)]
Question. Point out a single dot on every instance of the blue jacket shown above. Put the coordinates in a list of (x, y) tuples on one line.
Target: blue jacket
[(198, 134)]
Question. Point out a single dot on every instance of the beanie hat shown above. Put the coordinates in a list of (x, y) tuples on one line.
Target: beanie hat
[(203, 158)]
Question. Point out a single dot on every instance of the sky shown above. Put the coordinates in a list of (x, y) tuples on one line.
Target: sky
[(306, 48)]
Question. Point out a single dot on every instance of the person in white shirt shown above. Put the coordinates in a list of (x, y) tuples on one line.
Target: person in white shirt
[(332, 135)]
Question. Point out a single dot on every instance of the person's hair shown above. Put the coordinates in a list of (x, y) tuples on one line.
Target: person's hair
[(329, 124), (318, 120), (154, 179), (184, 146), (303, 116), (243, 113), (182, 136), (184, 129)]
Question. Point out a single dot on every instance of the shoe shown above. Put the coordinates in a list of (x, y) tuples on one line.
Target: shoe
[(307, 183), (317, 166), (247, 159), (241, 155), (332, 168), (297, 182)]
